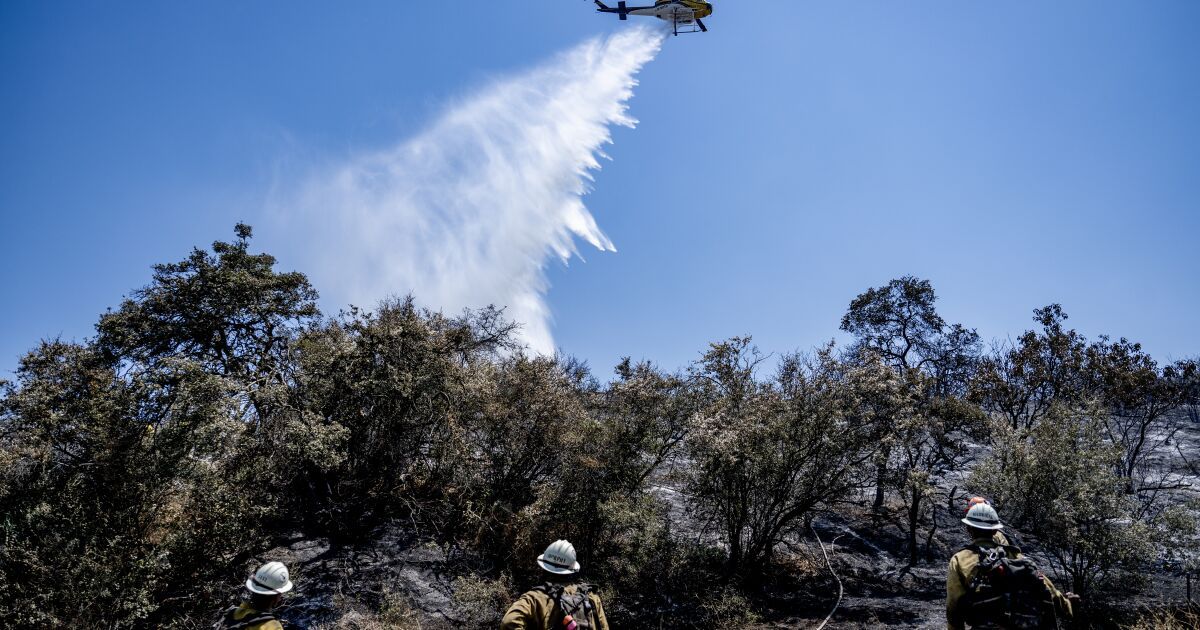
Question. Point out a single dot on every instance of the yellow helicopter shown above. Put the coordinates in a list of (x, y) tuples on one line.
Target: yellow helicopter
[(685, 13)]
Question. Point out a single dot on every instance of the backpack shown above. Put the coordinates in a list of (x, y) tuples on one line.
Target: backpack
[(1008, 592), (577, 605), (227, 622)]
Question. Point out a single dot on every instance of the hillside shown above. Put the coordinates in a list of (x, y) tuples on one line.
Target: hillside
[(408, 465)]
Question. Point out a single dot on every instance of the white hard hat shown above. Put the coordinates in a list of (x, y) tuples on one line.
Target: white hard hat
[(270, 579), (983, 516), (559, 558)]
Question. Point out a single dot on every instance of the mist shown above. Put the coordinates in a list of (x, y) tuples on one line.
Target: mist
[(471, 210)]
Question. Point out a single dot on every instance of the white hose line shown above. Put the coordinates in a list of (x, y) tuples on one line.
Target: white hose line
[(829, 564)]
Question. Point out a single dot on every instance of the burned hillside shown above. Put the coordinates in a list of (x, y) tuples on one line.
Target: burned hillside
[(408, 465)]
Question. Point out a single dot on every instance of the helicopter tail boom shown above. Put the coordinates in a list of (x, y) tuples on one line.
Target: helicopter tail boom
[(622, 11)]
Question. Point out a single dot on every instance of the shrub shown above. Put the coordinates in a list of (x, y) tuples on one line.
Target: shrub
[(765, 455), (480, 602), (1060, 482)]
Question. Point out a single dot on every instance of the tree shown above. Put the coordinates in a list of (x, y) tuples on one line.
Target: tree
[(138, 457), (1060, 482), (1141, 399), (898, 322), (112, 490), (766, 455), (1059, 367), (935, 361), (229, 313), (636, 434), (929, 437), (397, 385), (1112, 387), (228, 310), (1022, 382), (607, 495), (523, 426), (646, 415)]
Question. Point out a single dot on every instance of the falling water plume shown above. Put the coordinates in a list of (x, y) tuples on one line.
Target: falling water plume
[(469, 211)]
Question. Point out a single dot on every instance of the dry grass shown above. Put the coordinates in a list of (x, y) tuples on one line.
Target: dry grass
[(395, 613), (1175, 618), (482, 601)]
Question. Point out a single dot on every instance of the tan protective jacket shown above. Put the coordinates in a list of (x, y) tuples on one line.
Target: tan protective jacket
[(958, 580), (533, 610)]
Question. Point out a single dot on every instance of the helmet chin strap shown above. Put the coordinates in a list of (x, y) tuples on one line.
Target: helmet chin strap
[(273, 591)]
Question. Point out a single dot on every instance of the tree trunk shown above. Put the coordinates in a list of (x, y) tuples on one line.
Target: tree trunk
[(880, 475), (933, 527), (914, 514), (735, 556)]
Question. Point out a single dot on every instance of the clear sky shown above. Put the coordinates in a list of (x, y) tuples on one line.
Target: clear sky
[(1015, 154)]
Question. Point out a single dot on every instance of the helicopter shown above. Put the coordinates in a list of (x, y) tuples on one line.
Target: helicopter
[(685, 13)]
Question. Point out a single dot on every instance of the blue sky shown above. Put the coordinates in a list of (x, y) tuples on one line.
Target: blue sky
[(1015, 154)]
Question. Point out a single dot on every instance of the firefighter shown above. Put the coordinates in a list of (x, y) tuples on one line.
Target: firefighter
[(265, 590), (562, 601), (974, 599)]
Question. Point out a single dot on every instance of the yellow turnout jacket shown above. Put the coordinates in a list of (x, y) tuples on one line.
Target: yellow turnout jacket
[(534, 609), (962, 570)]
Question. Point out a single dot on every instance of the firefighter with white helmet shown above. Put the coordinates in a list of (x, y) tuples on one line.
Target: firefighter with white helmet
[(265, 589), (562, 602), (997, 536), (990, 584)]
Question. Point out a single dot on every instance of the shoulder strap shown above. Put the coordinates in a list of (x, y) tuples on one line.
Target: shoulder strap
[(225, 619), (549, 588), (979, 551), (1012, 550), (986, 551), (984, 566), (247, 621)]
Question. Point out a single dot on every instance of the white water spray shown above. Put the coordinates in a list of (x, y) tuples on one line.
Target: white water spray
[(470, 211)]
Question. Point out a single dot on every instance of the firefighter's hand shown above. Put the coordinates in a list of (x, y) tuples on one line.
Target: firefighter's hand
[(1073, 598)]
